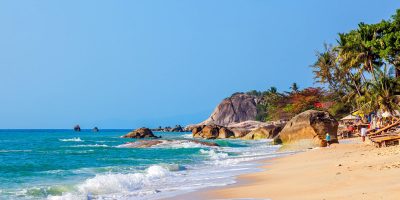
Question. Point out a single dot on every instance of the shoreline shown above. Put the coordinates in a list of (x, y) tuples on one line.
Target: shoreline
[(240, 180), (342, 171)]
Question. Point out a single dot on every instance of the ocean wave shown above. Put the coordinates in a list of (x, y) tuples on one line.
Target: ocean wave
[(179, 144), (214, 155), (187, 136), (14, 150), (91, 145), (175, 144), (115, 184), (75, 139)]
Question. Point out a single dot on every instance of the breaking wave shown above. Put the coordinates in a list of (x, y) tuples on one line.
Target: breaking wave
[(75, 139)]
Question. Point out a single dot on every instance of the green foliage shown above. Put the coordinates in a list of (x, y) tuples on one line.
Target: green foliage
[(356, 69), (275, 105)]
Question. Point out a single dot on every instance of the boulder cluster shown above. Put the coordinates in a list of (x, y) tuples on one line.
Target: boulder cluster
[(307, 129), (177, 128), (140, 133), (212, 132)]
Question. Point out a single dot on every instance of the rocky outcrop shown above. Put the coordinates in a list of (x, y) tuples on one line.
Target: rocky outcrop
[(308, 129), (252, 125), (212, 132), (237, 108), (240, 132), (77, 128), (140, 133), (267, 132), (177, 128), (225, 133)]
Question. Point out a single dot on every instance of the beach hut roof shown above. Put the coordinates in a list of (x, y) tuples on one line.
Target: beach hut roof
[(349, 117)]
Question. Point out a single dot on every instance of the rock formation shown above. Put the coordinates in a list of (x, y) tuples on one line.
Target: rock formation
[(77, 128), (140, 133), (237, 108), (212, 132), (267, 132), (177, 128), (308, 129)]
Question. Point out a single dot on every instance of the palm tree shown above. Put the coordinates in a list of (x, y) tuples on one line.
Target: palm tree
[(326, 69), (272, 90), (381, 94), (294, 88), (356, 50)]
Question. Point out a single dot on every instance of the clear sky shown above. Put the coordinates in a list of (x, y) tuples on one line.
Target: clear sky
[(125, 64)]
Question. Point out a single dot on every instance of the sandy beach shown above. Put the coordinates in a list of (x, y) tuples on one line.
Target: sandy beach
[(342, 171)]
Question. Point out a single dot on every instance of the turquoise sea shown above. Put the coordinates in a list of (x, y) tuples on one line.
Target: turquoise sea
[(62, 164)]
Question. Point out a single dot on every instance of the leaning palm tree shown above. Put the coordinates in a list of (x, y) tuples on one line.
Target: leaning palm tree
[(357, 52), (381, 93)]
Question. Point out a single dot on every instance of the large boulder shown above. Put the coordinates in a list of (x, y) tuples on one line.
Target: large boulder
[(212, 132), (237, 108), (225, 133), (268, 132), (308, 129), (178, 128), (140, 133), (240, 132)]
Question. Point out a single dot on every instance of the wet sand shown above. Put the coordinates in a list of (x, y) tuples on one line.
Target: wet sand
[(342, 171)]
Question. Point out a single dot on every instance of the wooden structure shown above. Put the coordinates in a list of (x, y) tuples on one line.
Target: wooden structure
[(384, 141), (386, 136)]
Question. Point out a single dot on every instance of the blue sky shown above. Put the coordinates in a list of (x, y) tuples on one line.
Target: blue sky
[(125, 64)]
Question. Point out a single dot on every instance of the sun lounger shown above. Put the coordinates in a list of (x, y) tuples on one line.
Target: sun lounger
[(387, 140)]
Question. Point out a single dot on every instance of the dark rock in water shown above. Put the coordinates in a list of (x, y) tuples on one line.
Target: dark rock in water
[(177, 128), (77, 128), (212, 132), (140, 133), (308, 129), (95, 129)]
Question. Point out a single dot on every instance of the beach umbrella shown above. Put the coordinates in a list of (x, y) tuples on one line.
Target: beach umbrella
[(358, 113), (386, 114)]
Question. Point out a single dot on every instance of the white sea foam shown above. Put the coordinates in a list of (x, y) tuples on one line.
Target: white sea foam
[(219, 168), (179, 144), (214, 155), (14, 150), (175, 144), (188, 136), (75, 139), (91, 145), (115, 184)]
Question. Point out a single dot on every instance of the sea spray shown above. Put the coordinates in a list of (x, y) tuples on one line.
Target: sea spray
[(75, 139)]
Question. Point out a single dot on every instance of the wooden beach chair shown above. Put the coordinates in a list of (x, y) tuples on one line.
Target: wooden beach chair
[(384, 141), (385, 129)]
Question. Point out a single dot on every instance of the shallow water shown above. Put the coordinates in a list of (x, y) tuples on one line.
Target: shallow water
[(62, 164)]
